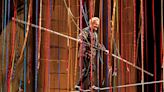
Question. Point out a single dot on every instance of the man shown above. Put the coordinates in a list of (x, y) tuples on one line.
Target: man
[(87, 53)]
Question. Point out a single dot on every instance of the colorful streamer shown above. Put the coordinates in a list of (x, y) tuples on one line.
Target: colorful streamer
[(36, 46), (25, 56), (7, 49), (4, 44)]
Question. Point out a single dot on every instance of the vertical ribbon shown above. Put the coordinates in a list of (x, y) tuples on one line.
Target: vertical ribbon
[(154, 39), (91, 30), (142, 43), (7, 49), (46, 46), (162, 39), (58, 60), (36, 46), (25, 60), (4, 43), (81, 25)]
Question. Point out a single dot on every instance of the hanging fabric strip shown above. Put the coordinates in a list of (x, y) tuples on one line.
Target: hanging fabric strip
[(69, 62), (91, 30), (39, 32), (109, 65), (12, 54), (101, 79), (58, 62), (113, 30), (154, 39), (4, 45), (7, 47), (134, 46), (117, 41), (46, 46), (25, 58), (80, 59), (36, 46), (162, 26), (142, 43)]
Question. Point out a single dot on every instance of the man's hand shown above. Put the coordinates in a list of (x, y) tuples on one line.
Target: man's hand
[(80, 41), (107, 51), (102, 47)]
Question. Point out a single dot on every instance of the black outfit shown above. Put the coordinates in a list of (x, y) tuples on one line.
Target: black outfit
[(85, 55)]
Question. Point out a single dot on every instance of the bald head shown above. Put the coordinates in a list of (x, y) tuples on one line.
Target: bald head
[(94, 23)]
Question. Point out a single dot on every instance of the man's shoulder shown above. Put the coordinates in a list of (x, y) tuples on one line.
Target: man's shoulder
[(86, 29)]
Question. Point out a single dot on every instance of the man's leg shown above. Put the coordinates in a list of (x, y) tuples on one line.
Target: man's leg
[(95, 75), (84, 74)]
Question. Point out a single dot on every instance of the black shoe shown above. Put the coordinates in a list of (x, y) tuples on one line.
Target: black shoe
[(77, 87)]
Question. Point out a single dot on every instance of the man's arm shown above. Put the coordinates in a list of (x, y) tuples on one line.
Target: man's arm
[(102, 47)]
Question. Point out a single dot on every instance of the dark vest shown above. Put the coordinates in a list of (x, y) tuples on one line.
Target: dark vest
[(86, 36)]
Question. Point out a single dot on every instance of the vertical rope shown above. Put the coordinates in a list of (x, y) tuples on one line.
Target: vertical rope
[(146, 38), (91, 30), (59, 65), (162, 38), (112, 39), (2, 65), (7, 50), (68, 58), (142, 44), (50, 9), (81, 25), (69, 47), (68, 67), (106, 41), (39, 32), (162, 49), (128, 54), (134, 44), (59, 56), (4, 41), (25, 60), (76, 55), (59, 53), (12, 41), (99, 52), (101, 39), (154, 39), (8, 20), (109, 43), (12, 55), (134, 38), (122, 79), (98, 60), (2, 17), (36, 46), (118, 27)]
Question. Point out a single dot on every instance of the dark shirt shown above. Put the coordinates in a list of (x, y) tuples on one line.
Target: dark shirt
[(86, 36)]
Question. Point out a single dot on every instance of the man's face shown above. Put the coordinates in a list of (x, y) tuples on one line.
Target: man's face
[(95, 25)]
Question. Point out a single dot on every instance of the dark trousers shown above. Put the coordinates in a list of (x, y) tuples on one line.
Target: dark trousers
[(86, 72)]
